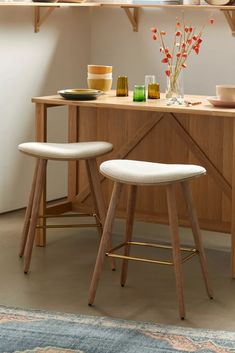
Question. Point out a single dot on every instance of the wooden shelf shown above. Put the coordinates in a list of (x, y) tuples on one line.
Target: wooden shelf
[(131, 10), (42, 10), (173, 6), (48, 4)]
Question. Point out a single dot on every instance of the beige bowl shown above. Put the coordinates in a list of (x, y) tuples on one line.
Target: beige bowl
[(99, 69), (100, 84), (226, 92)]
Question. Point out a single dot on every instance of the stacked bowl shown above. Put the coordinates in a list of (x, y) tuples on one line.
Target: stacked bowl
[(99, 77), (225, 93)]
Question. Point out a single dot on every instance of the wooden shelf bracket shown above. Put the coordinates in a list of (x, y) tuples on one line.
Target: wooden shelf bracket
[(39, 19), (230, 17), (133, 16)]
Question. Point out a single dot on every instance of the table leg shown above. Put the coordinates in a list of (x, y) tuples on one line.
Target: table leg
[(41, 136), (233, 207), (73, 136)]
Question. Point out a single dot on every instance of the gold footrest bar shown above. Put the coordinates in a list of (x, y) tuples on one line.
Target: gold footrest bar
[(80, 225), (85, 225), (140, 259), (70, 215), (111, 253)]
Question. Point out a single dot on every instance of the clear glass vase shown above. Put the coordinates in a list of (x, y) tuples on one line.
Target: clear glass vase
[(174, 89)]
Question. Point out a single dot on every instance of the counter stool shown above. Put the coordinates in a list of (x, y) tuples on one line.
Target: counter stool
[(137, 173), (87, 151)]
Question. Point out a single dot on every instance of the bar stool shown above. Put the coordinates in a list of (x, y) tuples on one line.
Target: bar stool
[(87, 151), (137, 173)]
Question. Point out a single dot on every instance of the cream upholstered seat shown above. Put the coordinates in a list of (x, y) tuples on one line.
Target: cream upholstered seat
[(44, 151), (66, 151), (137, 173), (148, 173)]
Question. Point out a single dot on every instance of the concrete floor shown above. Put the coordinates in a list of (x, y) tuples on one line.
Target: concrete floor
[(61, 272)]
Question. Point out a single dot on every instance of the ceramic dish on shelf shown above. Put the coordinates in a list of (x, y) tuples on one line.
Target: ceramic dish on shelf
[(44, 0), (221, 103), (80, 93), (218, 2)]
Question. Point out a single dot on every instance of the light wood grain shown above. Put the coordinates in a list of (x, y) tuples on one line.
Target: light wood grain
[(105, 241), (197, 235), (200, 154), (201, 134), (28, 212), (109, 100), (130, 213), (34, 214), (73, 166), (233, 206), (173, 222), (41, 136), (98, 199)]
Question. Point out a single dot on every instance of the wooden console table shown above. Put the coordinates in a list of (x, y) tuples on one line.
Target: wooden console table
[(200, 134)]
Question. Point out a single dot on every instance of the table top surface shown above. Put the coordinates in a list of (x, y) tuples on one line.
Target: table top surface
[(109, 100)]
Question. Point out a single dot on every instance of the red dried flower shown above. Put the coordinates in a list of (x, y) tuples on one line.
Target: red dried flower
[(186, 38), (212, 21), (196, 49)]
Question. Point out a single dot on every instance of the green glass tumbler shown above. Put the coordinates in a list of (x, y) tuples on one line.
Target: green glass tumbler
[(139, 93)]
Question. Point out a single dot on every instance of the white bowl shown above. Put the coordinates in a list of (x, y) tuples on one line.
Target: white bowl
[(98, 76), (218, 2), (226, 92)]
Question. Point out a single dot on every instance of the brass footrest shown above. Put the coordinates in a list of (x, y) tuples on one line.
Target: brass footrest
[(111, 253), (78, 225)]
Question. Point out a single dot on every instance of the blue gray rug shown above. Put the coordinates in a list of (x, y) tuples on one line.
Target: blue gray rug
[(39, 332)]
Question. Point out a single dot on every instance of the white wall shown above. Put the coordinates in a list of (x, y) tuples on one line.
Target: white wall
[(32, 65), (56, 57), (135, 54)]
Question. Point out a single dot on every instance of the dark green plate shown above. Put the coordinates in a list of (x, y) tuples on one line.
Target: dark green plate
[(80, 94)]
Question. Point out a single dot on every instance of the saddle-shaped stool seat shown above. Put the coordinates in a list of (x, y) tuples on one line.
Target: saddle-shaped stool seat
[(138, 173), (44, 151)]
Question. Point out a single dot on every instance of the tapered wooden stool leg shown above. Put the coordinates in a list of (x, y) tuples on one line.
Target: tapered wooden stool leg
[(197, 234), (129, 229), (28, 212), (35, 210), (98, 200), (105, 240), (173, 223)]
